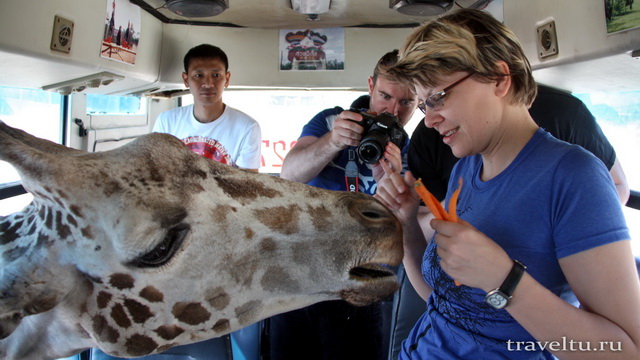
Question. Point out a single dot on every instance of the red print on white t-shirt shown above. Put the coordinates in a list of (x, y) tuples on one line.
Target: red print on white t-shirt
[(209, 148)]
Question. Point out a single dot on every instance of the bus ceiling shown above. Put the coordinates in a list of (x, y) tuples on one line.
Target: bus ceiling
[(581, 55)]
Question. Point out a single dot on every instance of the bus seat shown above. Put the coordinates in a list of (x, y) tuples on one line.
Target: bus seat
[(212, 349), (408, 306)]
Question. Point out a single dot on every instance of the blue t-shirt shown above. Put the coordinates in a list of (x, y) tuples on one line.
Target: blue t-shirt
[(552, 201), (332, 177)]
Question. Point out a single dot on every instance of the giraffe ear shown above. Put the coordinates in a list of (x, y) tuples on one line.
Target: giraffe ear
[(31, 156), (12, 137)]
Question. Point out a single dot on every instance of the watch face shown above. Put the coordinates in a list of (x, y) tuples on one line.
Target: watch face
[(496, 299)]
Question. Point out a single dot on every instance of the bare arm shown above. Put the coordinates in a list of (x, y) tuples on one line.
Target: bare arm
[(398, 195), (307, 158), (620, 180), (609, 293), (414, 251), (610, 322), (311, 154)]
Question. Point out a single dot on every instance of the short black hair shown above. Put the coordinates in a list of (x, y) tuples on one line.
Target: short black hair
[(205, 51)]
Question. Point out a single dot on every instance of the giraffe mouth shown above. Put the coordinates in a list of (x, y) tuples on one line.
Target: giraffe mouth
[(367, 272)]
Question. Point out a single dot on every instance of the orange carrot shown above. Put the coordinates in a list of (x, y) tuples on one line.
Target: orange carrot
[(435, 206), (432, 203), (453, 202)]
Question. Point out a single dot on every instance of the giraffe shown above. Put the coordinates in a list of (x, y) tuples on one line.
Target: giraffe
[(149, 246)]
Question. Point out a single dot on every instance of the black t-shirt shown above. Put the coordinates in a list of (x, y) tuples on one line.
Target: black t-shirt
[(557, 111)]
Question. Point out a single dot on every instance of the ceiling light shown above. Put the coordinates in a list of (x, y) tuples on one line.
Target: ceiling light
[(197, 8), (310, 6), (421, 7)]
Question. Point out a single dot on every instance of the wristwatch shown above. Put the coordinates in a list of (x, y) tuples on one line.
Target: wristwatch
[(499, 298)]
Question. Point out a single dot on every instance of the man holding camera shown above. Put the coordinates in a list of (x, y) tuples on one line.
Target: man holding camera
[(329, 155), (323, 150)]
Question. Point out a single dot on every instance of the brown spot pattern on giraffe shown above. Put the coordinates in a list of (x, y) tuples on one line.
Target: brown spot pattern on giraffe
[(41, 305), (121, 281), (120, 316), (103, 299), (152, 294), (103, 331), (169, 332), (245, 189), (221, 325), (320, 217), (87, 232), (248, 312), (283, 219), (138, 311), (218, 298), (191, 313), (63, 229), (140, 345), (268, 245), (276, 279), (9, 231), (248, 233)]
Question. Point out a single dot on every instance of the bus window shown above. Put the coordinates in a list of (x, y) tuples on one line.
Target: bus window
[(115, 105), (283, 113), (618, 114), (36, 112)]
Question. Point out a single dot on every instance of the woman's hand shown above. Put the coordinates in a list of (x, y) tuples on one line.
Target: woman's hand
[(392, 157), (398, 194), (469, 256)]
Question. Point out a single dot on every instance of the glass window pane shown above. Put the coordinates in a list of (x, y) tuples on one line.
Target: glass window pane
[(14, 204), (283, 113), (37, 112), (619, 117), (618, 114), (115, 105)]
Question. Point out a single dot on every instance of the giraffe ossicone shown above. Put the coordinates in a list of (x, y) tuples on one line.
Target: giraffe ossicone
[(150, 246)]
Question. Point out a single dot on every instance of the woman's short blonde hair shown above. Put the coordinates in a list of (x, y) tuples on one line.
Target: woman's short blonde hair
[(465, 40)]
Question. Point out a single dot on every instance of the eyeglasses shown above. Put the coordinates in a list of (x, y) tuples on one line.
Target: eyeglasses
[(436, 101)]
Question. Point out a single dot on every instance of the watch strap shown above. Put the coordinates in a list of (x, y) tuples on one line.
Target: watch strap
[(512, 280)]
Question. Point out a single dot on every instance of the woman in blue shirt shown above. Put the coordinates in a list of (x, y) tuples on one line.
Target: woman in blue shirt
[(540, 219)]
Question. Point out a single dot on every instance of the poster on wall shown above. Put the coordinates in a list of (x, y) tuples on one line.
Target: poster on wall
[(312, 49), (621, 15), (121, 31)]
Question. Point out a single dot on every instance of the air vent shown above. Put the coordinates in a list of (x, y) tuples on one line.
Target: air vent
[(62, 34), (547, 39), (421, 7), (197, 8)]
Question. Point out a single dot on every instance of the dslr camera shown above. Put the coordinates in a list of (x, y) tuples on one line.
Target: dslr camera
[(378, 131)]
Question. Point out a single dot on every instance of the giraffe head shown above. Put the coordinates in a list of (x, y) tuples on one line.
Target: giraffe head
[(149, 246)]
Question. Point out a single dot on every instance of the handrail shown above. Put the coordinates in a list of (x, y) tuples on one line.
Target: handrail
[(634, 200), (11, 189)]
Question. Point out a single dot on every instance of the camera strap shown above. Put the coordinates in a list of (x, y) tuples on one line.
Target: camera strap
[(351, 172)]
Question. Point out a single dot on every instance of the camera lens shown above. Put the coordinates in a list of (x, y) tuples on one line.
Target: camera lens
[(370, 151)]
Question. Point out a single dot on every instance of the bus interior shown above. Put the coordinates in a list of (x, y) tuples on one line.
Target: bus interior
[(95, 74)]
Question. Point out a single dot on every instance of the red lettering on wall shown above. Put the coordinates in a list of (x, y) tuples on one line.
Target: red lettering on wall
[(273, 153)]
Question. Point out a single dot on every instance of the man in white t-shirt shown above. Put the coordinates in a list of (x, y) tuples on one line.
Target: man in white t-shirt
[(209, 127)]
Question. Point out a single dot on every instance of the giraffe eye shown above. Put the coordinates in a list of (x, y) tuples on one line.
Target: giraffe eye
[(165, 250)]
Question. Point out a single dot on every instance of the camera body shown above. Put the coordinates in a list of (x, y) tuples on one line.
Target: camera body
[(378, 131)]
